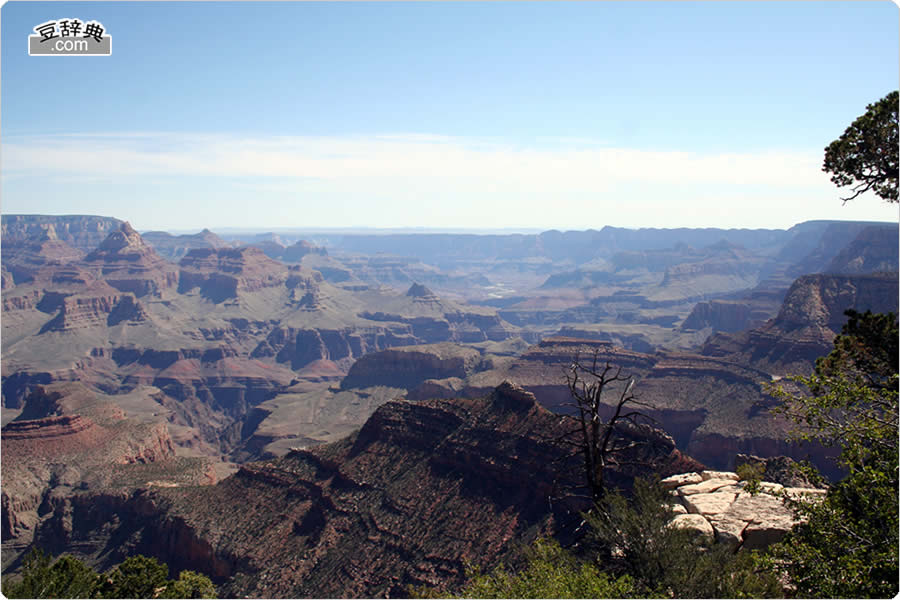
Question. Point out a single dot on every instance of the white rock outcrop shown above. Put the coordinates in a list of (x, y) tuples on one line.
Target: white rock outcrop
[(694, 523), (734, 516)]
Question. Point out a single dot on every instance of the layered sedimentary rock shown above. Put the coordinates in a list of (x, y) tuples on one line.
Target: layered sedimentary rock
[(24, 258), (69, 437), (174, 247), (128, 264), (221, 273), (25, 301), (77, 312), (274, 246), (209, 390), (234, 373), (637, 342), (580, 246), (6, 278), (875, 249), (719, 315), (830, 239), (239, 330), (716, 405), (713, 408), (84, 232), (394, 271), (729, 263), (811, 315), (296, 252), (410, 366), (420, 491), (300, 347), (432, 319)]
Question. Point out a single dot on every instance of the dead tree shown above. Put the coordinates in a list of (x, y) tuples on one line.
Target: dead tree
[(598, 440)]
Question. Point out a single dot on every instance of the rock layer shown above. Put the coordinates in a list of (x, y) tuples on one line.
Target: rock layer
[(128, 264), (68, 438), (720, 506), (410, 366), (220, 273), (810, 317), (421, 490), (84, 232)]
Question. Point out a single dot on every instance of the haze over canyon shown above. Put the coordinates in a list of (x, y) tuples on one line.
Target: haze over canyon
[(311, 413)]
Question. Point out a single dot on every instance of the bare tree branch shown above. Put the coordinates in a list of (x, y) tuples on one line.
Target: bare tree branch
[(598, 440)]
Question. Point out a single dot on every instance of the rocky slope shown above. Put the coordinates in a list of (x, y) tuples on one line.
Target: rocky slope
[(313, 411), (76, 312), (220, 273), (421, 490), (831, 241), (719, 315), (417, 317), (811, 315), (634, 291), (293, 253), (409, 366), (126, 263), (670, 275), (222, 332), (875, 249), (68, 437), (24, 258), (83, 232), (174, 247), (712, 408)]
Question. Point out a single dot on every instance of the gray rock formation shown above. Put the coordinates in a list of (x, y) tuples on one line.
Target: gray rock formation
[(716, 504)]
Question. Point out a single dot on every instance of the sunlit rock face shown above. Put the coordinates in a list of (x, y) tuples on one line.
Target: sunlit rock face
[(715, 504)]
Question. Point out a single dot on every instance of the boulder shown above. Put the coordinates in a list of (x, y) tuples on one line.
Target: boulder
[(758, 536), (705, 487), (760, 508), (738, 518), (728, 530), (707, 475), (803, 492), (694, 523), (679, 509), (675, 481), (709, 504), (767, 516)]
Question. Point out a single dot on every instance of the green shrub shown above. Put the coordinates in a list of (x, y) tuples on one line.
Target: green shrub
[(848, 545), (68, 577), (551, 572), (190, 585), (633, 537), (136, 577), (751, 474)]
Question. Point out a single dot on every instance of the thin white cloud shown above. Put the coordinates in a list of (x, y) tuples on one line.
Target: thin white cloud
[(578, 165)]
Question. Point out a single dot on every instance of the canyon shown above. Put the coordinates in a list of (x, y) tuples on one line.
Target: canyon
[(382, 404), (422, 490)]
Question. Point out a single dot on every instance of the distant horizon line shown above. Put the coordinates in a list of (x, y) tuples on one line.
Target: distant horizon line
[(232, 230)]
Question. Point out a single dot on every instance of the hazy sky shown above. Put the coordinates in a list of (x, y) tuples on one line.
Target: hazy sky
[(457, 114)]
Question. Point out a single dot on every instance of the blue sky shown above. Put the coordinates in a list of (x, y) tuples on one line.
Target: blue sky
[(443, 114)]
